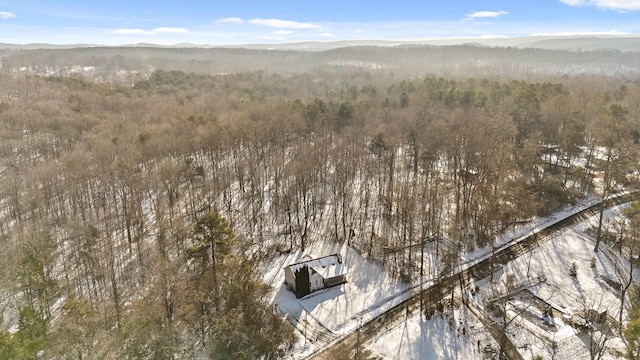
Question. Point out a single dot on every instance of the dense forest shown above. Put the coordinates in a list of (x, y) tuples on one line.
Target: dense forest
[(137, 211)]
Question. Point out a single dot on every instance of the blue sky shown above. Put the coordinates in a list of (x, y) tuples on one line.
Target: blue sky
[(243, 22)]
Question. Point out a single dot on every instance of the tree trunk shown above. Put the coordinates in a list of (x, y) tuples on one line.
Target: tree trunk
[(599, 232)]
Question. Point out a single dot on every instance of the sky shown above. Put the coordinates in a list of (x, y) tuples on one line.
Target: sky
[(228, 22)]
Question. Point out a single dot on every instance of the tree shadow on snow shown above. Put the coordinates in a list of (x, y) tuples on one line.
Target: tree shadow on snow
[(437, 339)]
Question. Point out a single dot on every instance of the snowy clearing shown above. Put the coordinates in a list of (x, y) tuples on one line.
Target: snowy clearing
[(322, 315)]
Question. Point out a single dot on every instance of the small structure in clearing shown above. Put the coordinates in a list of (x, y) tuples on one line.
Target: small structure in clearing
[(310, 275)]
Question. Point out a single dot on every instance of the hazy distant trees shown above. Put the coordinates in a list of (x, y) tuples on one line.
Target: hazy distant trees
[(127, 64)]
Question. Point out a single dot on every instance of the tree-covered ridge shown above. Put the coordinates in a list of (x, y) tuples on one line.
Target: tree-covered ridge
[(106, 64), (112, 195)]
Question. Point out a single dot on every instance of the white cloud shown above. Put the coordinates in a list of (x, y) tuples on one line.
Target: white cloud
[(156, 31), (485, 14), (284, 24), (7, 15), (170, 30), (283, 32), (229, 20), (620, 5), (573, 2)]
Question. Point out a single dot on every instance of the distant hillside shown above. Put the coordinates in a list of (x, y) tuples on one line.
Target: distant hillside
[(627, 44), (475, 60), (572, 43), (579, 43)]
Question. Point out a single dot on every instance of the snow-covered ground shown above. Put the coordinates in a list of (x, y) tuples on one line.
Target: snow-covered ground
[(540, 278), (323, 315), (520, 232), (460, 336)]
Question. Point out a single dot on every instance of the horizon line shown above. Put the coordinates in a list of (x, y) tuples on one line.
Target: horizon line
[(406, 41)]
